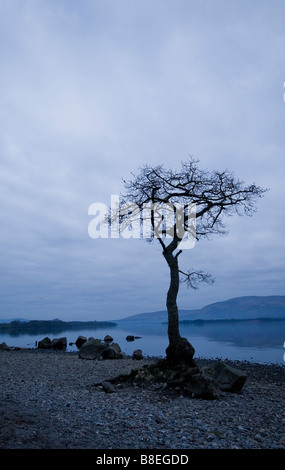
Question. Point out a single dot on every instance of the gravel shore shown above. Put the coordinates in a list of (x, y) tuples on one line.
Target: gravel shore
[(49, 401)]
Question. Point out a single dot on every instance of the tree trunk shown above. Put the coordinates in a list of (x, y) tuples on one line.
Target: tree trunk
[(179, 349)]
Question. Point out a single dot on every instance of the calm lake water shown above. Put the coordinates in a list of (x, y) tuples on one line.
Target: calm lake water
[(253, 341)]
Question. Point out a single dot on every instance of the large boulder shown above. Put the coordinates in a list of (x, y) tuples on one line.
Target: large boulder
[(4, 346), (59, 343), (201, 386), (192, 382), (229, 379), (97, 349), (92, 349), (80, 341), (45, 343), (113, 351)]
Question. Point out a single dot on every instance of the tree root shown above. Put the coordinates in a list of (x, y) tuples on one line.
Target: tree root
[(186, 380)]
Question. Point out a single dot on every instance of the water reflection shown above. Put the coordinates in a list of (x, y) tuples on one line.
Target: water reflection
[(254, 333), (258, 341)]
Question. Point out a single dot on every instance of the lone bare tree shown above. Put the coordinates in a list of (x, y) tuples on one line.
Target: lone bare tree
[(156, 190)]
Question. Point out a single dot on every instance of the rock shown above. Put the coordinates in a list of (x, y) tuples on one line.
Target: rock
[(130, 338), (112, 351), (108, 339), (80, 341), (192, 382), (137, 354), (228, 378), (92, 349), (97, 349), (59, 343), (108, 387), (45, 343), (4, 346), (201, 386)]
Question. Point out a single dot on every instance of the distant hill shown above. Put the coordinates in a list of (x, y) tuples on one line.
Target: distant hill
[(51, 326), (6, 320), (239, 308)]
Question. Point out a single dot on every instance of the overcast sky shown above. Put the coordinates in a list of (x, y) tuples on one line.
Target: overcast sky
[(91, 90)]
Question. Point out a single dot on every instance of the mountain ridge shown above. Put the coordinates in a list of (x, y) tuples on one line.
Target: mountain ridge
[(237, 308)]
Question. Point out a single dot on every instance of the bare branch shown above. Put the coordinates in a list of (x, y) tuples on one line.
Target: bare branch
[(215, 194), (178, 253), (193, 278)]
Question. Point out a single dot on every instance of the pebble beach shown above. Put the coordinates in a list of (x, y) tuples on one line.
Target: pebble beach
[(52, 400)]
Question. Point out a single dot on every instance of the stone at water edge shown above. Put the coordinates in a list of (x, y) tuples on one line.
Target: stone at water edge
[(137, 354), (97, 349), (45, 343), (108, 339), (59, 343), (80, 341), (130, 338), (112, 351), (92, 349)]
